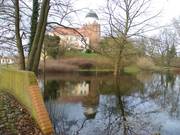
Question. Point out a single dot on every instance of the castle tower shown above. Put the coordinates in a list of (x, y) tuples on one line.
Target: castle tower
[(92, 28)]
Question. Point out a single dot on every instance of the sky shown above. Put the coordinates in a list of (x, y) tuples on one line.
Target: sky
[(169, 8)]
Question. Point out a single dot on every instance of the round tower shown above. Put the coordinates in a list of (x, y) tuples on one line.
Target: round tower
[(91, 18), (92, 27)]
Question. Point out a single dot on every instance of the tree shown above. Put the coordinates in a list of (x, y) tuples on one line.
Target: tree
[(162, 47), (126, 18), (109, 48), (13, 13), (168, 39), (171, 54), (51, 44), (165, 46), (16, 31), (18, 37), (34, 55), (7, 28), (34, 22)]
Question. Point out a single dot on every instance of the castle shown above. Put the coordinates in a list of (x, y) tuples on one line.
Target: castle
[(80, 38)]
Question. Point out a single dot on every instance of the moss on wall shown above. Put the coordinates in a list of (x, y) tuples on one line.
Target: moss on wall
[(17, 83)]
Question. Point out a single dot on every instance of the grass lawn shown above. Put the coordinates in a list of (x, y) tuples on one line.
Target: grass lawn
[(70, 54), (9, 66), (100, 62), (133, 69)]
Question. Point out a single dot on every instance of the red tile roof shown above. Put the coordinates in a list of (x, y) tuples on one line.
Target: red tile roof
[(70, 31)]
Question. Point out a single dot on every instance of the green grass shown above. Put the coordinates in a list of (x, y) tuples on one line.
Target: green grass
[(132, 69), (80, 54), (9, 66), (100, 62)]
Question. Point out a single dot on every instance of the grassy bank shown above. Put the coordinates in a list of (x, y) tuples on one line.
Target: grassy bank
[(9, 66), (133, 69), (78, 61), (78, 54), (73, 61)]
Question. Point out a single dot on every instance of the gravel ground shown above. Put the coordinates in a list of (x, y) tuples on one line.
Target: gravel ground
[(14, 118)]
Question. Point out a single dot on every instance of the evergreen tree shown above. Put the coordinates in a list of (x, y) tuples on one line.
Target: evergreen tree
[(171, 54)]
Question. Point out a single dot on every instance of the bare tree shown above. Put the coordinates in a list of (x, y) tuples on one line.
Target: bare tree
[(169, 40), (27, 38), (126, 18), (15, 29), (162, 47), (18, 36), (7, 29)]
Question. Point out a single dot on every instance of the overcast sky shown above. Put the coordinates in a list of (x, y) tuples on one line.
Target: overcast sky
[(170, 8)]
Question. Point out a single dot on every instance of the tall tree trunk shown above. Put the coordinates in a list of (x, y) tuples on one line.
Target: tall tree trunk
[(118, 63), (34, 22), (18, 37), (116, 67), (36, 41), (40, 44)]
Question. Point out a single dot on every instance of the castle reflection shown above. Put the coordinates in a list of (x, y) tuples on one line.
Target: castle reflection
[(86, 89)]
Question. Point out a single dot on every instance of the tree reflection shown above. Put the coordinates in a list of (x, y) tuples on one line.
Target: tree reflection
[(127, 105), (51, 89), (117, 115), (164, 91), (170, 78), (62, 124), (131, 118)]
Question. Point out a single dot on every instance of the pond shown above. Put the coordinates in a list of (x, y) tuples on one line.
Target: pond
[(95, 104)]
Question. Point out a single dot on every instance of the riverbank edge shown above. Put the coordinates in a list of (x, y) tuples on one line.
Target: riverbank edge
[(127, 70)]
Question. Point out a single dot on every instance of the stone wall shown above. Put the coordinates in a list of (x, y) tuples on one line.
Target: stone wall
[(24, 87)]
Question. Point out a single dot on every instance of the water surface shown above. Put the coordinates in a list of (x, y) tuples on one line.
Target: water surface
[(95, 104)]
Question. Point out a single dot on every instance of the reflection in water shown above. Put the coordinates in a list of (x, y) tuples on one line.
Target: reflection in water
[(51, 89), (145, 104), (91, 101)]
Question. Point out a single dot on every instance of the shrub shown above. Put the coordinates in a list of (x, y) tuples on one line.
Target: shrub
[(145, 63), (86, 65), (88, 51), (51, 44)]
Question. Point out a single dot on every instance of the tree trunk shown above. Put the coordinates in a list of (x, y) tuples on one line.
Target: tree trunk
[(34, 22), (39, 32), (118, 62), (118, 66), (40, 44), (18, 37)]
